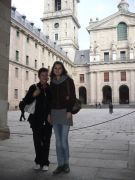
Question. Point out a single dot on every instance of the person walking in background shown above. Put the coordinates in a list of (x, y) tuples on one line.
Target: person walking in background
[(99, 105), (61, 116), (110, 108), (41, 128)]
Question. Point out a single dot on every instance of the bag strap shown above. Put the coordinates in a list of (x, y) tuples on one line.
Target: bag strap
[(68, 89), (36, 86)]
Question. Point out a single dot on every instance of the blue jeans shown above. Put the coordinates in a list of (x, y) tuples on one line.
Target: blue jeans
[(62, 148)]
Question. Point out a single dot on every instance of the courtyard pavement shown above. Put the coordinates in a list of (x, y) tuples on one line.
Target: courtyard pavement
[(103, 152)]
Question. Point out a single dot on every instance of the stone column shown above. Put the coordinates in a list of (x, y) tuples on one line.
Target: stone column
[(99, 88), (132, 87), (93, 89), (87, 85), (115, 92), (4, 65)]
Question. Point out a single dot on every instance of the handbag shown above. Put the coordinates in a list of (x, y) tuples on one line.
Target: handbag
[(77, 105), (30, 108)]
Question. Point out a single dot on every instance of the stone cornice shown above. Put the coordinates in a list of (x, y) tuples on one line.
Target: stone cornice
[(112, 62), (63, 16), (22, 65)]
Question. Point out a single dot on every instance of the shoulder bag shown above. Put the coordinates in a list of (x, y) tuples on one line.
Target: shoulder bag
[(77, 105), (30, 108)]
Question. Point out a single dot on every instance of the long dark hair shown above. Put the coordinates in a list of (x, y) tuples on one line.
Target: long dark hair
[(64, 71)]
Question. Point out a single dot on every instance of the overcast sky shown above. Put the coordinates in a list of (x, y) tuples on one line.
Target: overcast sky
[(87, 9)]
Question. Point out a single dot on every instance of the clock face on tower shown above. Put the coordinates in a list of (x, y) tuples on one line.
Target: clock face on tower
[(56, 25)]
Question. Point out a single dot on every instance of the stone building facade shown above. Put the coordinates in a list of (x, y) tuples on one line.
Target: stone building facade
[(114, 44), (110, 74), (30, 50), (103, 73)]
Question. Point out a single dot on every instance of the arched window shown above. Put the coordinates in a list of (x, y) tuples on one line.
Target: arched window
[(122, 31)]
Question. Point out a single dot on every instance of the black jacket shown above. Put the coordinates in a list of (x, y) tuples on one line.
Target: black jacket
[(42, 108), (60, 93)]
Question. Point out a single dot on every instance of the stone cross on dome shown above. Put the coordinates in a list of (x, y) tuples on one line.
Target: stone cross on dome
[(123, 5)]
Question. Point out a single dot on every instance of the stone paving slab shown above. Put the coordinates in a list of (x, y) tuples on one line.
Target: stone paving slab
[(116, 174), (105, 152)]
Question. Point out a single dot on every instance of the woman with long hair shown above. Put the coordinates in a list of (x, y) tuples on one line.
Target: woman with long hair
[(61, 113)]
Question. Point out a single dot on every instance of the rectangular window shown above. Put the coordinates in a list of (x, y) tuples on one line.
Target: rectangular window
[(122, 55), (106, 76), (56, 37), (16, 93), (28, 39), (35, 77), (35, 45), (17, 33), (123, 76), (106, 56), (35, 64), (27, 75), (27, 60), (16, 72), (43, 65), (17, 55), (57, 5), (81, 78)]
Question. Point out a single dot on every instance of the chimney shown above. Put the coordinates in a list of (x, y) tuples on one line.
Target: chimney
[(32, 24), (23, 17), (13, 8)]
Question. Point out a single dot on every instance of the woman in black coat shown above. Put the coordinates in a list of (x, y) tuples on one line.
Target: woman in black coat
[(41, 128), (63, 99)]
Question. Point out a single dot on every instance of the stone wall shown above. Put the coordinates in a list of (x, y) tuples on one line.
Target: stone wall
[(4, 65)]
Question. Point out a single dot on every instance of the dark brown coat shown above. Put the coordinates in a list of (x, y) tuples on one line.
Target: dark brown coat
[(61, 98)]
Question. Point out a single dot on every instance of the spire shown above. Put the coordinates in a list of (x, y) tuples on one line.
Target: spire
[(123, 5)]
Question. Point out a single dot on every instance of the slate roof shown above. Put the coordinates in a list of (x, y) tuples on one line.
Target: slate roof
[(16, 16), (82, 57)]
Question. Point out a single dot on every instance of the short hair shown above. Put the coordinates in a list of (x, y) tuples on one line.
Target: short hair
[(42, 70), (64, 71)]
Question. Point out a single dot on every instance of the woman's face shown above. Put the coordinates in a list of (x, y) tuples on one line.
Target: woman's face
[(57, 70), (43, 77)]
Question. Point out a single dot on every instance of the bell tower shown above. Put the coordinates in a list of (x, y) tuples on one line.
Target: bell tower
[(60, 23)]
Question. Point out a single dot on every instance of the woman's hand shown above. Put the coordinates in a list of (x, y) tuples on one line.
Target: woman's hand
[(69, 115), (36, 92), (49, 119)]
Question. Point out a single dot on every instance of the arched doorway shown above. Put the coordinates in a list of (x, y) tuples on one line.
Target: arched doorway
[(83, 95), (123, 94), (107, 94)]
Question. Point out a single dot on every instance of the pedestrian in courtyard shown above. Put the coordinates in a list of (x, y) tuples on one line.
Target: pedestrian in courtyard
[(110, 108), (99, 105), (61, 116), (41, 128)]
